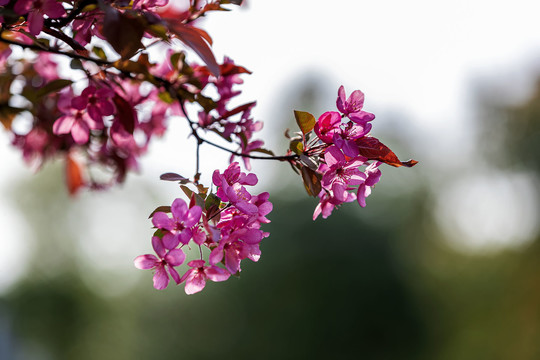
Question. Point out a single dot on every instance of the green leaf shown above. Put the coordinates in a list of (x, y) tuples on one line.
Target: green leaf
[(99, 52), (296, 146), (305, 121), (159, 233), (165, 97), (212, 200), (76, 64), (175, 58)]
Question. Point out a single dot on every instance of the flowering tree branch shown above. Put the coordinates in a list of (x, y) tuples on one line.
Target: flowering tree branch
[(106, 121)]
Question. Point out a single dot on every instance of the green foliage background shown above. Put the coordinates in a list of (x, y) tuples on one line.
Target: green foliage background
[(374, 283)]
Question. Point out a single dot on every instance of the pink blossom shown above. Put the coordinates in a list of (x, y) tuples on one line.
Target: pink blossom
[(36, 9), (178, 228), (352, 107), (341, 170), (327, 125), (232, 175), (328, 200), (46, 67), (162, 264), (97, 102), (196, 277), (75, 120), (345, 138)]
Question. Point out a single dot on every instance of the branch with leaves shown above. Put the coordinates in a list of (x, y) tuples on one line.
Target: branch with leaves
[(102, 114)]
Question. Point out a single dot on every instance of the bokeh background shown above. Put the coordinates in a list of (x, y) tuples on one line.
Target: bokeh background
[(442, 264)]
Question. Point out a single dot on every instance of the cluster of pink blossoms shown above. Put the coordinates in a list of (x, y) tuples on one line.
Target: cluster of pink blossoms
[(342, 159), (228, 224), (110, 123), (117, 98), (341, 163)]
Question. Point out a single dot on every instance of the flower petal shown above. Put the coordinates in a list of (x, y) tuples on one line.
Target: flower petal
[(162, 221), (161, 279), (80, 132), (175, 257), (35, 22), (145, 262), (215, 273), (174, 274), (179, 209), (157, 244), (170, 240), (196, 283), (193, 216), (63, 125)]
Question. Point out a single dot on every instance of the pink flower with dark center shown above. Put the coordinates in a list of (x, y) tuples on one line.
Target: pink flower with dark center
[(162, 264), (196, 277), (340, 170), (345, 138), (75, 120), (96, 101), (178, 228), (36, 9), (352, 107)]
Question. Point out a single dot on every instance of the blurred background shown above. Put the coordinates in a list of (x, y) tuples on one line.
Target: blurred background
[(442, 264)]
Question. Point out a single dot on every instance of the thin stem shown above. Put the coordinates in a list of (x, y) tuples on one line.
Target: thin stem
[(55, 51)]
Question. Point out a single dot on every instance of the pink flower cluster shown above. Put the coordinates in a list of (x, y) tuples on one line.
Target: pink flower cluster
[(230, 230), (342, 179)]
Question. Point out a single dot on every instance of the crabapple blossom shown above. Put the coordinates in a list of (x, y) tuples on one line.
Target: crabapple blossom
[(118, 98), (178, 228), (196, 277), (36, 9), (352, 106), (162, 264)]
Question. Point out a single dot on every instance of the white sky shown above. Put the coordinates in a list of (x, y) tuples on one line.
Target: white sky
[(417, 58)]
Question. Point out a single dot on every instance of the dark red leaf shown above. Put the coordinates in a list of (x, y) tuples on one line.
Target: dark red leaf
[(173, 177), (125, 113), (373, 149), (193, 38), (312, 181), (123, 32), (165, 209), (238, 109)]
